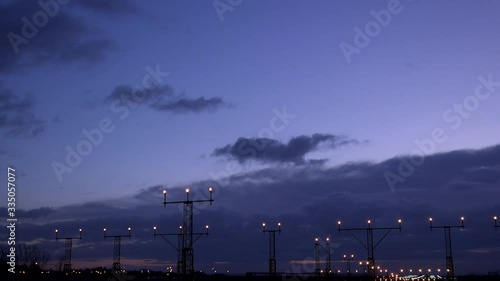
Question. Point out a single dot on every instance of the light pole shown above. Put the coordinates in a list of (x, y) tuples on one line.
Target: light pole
[(369, 246), (348, 260), (68, 246), (272, 247), (187, 226), (450, 270), (117, 249), (495, 220)]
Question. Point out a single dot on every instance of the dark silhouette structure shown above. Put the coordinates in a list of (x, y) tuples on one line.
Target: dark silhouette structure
[(187, 253), (180, 243), (68, 246), (328, 258), (317, 269), (370, 247), (272, 247), (450, 270), (117, 268)]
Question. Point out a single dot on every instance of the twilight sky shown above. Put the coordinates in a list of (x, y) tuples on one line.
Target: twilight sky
[(302, 112)]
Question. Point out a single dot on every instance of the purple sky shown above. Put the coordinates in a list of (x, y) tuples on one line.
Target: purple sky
[(262, 102)]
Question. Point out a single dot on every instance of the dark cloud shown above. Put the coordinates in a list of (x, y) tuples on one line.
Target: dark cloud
[(16, 115), (162, 98), (308, 200), (269, 150), (124, 93), (184, 105), (64, 38)]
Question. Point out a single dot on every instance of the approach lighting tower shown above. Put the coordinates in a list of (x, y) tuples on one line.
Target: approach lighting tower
[(450, 270), (117, 268), (180, 243), (370, 247), (187, 227), (272, 247), (68, 246)]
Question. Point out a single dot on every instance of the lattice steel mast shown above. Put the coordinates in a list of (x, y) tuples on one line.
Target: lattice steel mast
[(272, 247), (117, 267), (370, 247), (68, 247), (450, 270), (187, 253)]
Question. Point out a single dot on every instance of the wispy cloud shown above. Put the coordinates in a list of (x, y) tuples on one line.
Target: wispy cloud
[(162, 98), (61, 37), (17, 118)]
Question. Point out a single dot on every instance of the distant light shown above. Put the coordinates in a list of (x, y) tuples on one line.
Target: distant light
[(339, 222), (263, 224), (462, 218), (187, 190), (154, 227), (369, 221), (104, 230), (430, 219), (210, 189), (57, 230), (180, 226), (279, 224), (164, 192), (495, 218), (400, 221), (206, 226), (316, 239), (327, 239), (129, 229), (80, 230)]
